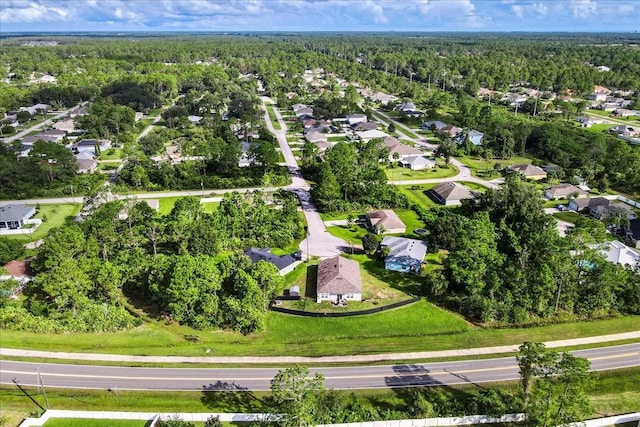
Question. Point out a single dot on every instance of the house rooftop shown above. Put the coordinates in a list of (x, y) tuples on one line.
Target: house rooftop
[(565, 190), (339, 275), (15, 212), (404, 251), (386, 218), (264, 254), (19, 268), (528, 170), (452, 191)]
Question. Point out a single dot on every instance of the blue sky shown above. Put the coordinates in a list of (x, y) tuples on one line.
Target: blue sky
[(320, 15)]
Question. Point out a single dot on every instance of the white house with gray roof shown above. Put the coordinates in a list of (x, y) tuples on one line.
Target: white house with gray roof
[(13, 217), (405, 255)]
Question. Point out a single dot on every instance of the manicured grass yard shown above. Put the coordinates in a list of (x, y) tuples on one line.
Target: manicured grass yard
[(111, 154), (351, 234), (567, 216), (166, 204), (418, 194), (210, 207), (272, 117), (479, 166), (56, 216), (337, 139), (439, 171), (600, 127)]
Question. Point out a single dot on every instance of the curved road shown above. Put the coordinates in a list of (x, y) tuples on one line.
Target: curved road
[(256, 379)]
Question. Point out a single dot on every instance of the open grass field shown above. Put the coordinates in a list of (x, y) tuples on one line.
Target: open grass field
[(79, 422), (600, 127), (166, 204), (418, 194), (273, 118), (351, 234), (111, 154), (55, 216), (337, 139), (439, 171), (567, 216)]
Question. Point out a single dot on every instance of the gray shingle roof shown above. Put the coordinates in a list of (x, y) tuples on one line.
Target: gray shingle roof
[(404, 251), (264, 254), (15, 212), (339, 276), (452, 191)]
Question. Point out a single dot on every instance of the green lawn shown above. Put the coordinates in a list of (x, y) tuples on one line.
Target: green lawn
[(351, 235), (53, 216), (411, 220), (337, 139), (479, 166), (600, 127), (474, 186), (418, 194), (111, 154), (332, 216), (210, 207), (567, 216), (273, 118), (166, 204), (440, 171)]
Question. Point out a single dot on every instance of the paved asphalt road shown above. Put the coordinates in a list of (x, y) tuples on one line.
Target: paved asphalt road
[(256, 379)]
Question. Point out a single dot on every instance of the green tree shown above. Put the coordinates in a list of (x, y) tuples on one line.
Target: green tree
[(296, 394)]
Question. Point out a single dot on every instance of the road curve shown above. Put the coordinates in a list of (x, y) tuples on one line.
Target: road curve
[(258, 379)]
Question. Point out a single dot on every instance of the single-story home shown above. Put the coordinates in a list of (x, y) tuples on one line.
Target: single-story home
[(338, 280), (564, 191), (612, 210), (80, 111), (37, 108), (394, 146), (86, 165), (475, 137), (417, 163), (195, 119), (623, 112), (451, 193), (405, 255), (32, 139), (619, 253), (383, 98), (364, 126), (368, 135), (96, 146), (19, 271), (386, 220), (528, 171), (588, 121), (304, 112), (450, 130), (433, 124), (13, 217), (580, 205), (67, 125), (356, 118), (284, 263)]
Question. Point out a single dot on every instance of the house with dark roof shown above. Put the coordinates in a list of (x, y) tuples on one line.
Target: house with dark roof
[(364, 126), (13, 217), (612, 210), (402, 150), (338, 280), (284, 263), (405, 255), (633, 233), (584, 205), (450, 130), (96, 146), (385, 220), (528, 171), (433, 125), (451, 193)]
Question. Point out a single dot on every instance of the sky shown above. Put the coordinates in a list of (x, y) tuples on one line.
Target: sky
[(320, 15)]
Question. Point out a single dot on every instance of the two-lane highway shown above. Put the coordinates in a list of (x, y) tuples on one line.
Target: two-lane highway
[(351, 377)]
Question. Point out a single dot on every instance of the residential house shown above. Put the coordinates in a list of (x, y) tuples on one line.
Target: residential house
[(364, 126), (406, 106), (356, 118), (588, 121), (13, 217), (603, 68), (417, 163), (612, 210), (584, 205), (451, 193), (304, 113), (433, 124), (36, 109), (244, 159), (450, 130), (385, 221), (402, 150), (87, 165), (95, 146), (383, 98), (619, 253), (315, 136), (79, 111), (66, 125), (195, 119), (338, 280), (402, 254), (564, 191), (46, 79), (475, 137), (625, 130), (597, 96), (284, 263), (19, 271), (138, 116), (371, 134), (54, 133), (623, 112), (528, 171), (124, 212), (32, 139)]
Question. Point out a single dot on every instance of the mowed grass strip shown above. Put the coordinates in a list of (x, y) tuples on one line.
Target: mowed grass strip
[(80, 422), (55, 216), (273, 118)]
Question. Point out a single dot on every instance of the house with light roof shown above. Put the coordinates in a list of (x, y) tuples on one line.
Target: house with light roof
[(402, 254)]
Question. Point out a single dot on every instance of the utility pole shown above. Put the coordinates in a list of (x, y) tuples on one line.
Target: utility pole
[(41, 385), (444, 75), (429, 83)]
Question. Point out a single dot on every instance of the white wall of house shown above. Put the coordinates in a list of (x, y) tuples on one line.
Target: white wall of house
[(334, 297)]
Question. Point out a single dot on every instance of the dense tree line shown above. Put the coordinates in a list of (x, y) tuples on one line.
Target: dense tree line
[(88, 271), (506, 262), (351, 176)]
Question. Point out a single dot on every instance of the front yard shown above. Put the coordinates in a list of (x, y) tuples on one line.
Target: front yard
[(52, 216), (439, 171), (485, 168)]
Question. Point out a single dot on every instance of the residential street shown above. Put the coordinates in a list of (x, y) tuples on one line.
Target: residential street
[(319, 241), (42, 124)]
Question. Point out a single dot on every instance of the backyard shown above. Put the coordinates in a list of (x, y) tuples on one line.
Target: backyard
[(53, 216), (485, 168), (439, 171)]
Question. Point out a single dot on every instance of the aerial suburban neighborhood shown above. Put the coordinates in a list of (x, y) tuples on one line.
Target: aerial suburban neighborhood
[(319, 228)]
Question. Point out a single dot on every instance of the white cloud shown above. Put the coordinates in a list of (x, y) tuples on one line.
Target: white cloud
[(459, 11), (540, 9), (31, 11), (517, 10), (583, 9)]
